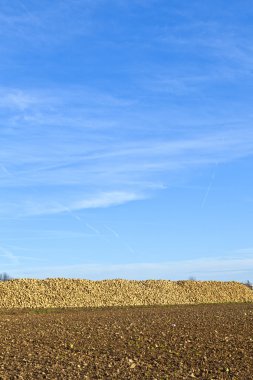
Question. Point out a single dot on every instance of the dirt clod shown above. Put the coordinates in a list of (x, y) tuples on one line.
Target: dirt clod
[(212, 341)]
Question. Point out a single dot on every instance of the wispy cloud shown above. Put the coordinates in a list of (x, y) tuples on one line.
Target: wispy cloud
[(218, 41), (37, 207), (100, 154), (38, 24), (206, 268), (102, 200)]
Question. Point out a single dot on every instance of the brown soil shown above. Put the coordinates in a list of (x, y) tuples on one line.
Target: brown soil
[(149, 342)]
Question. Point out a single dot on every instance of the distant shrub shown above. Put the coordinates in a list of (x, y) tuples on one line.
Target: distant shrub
[(4, 277), (192, 278), (249, 284)]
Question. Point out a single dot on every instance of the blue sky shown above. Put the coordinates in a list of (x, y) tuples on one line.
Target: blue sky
[(126, 139)]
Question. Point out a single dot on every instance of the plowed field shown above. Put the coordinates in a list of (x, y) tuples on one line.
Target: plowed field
[(212, 341)]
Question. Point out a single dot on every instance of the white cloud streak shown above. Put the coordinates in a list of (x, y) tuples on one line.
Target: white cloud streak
[(36, 207), (69, 162), (206, 268)]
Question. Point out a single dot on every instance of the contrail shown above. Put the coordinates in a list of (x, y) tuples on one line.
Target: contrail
[(29, 14), (129, 248), (115, 233), (67, 209), (5, 170), (72, 214), (9, 255), (209, 186), (92, 228), (76, 217)]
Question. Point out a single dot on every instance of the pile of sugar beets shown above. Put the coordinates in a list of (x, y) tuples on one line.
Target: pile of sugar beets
[(60, 292)]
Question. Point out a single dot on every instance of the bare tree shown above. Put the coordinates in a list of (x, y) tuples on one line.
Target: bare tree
[(4, 277), (249, 284)]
